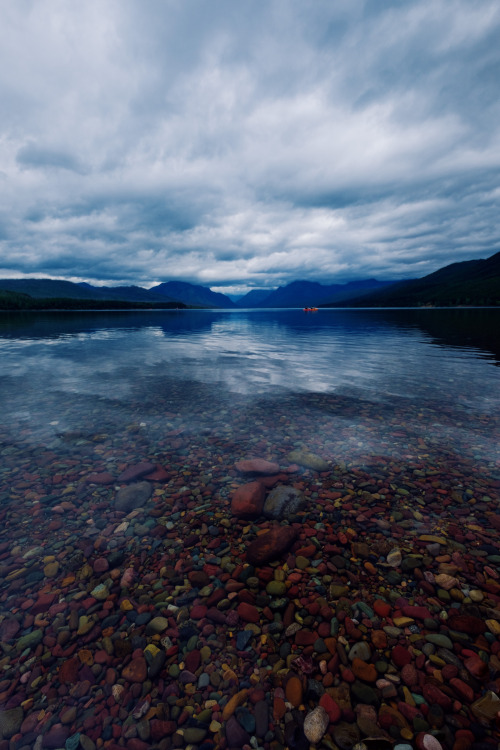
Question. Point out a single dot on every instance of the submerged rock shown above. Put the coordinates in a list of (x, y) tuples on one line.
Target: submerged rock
[(132, 497), (136, 471), (272, 545), (283, 502), (257, 466), (309, 460), (248, 500)]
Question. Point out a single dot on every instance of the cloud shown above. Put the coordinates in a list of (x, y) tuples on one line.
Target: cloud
[(36, 157), (247, 144)]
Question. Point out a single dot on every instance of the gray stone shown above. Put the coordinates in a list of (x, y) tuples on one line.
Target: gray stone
[(132, 497), (283, 502), (10, 722), (360, 650), (203, 680), (316, 724)]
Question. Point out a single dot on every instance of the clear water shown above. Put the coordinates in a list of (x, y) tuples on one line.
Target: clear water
[(348, 384)]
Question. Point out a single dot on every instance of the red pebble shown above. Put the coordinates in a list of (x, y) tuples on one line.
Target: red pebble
[(418, 613), (248, 612), (134, 743), (381, 608), (305, 637), (477, 667), (68, 671), (347, 675), (159, 728), (433, 694), (331, 707), (400, 656), (449, 671), (464, 691)]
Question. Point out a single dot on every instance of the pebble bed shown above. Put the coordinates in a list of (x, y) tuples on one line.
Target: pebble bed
[(211, 575)]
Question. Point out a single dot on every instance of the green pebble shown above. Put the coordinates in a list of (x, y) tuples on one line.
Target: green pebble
[(30, 640), (278, 604), (368, 611), (204, 716), (419, 699), (194, 735), (205, 653), (420, 724), (438, 639), (393, 578), (174, 671), (430, 623), (337, 590), (365, 694), (276, 588)]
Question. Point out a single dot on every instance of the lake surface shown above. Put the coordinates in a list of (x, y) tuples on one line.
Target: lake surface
[(359, 375), (399, 529)]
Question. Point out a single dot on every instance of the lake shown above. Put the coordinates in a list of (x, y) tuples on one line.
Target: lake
[(386, 423)]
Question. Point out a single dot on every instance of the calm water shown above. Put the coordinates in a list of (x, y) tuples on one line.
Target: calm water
[(346, 383)]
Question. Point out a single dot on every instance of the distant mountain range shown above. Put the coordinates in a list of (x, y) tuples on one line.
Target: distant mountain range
[(50, 288), (192, 294), (309, 293), (473, 282)]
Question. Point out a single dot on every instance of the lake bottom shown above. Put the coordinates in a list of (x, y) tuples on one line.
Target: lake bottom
[(158, 588)]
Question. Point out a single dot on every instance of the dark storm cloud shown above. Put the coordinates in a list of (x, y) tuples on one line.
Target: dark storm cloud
[(250, 143)]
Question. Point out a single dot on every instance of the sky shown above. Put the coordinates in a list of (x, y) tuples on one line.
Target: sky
[(247, 144)]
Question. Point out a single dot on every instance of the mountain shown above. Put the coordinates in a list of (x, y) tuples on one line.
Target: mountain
[(254, 297), (45, 288), (51, 288), (312, 293), (128, 293), (192, 294), (471, 282), (171, 291)]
